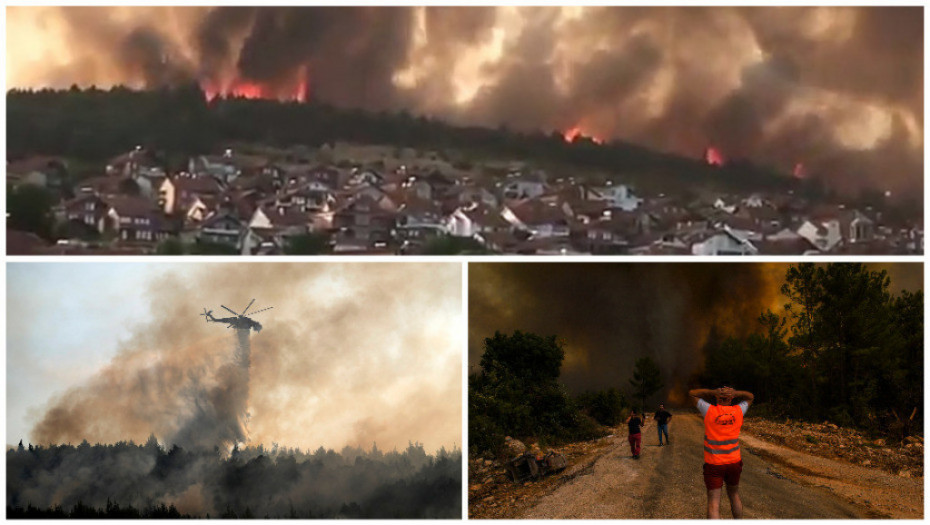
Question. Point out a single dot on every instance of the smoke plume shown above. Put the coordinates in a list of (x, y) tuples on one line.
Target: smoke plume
[(351, 354), (837, 90), (609, 315)]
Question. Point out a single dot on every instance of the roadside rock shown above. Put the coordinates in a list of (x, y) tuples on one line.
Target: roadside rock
[(514, 447)]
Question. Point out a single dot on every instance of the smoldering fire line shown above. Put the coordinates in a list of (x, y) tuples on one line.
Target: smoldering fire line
[(836, 91)]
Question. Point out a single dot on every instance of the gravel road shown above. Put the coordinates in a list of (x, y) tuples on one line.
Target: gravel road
[(666, 483)]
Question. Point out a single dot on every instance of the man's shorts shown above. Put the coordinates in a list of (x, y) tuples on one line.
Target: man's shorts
[(716, 475)]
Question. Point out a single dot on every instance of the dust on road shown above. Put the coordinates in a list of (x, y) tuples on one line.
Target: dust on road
[(667, 483)]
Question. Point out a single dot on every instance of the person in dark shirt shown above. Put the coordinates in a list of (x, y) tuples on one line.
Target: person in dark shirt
[(635, 424), (662, 418)]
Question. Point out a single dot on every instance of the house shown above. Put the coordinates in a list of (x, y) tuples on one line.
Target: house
[(223, 227), (227, 167), (87, 209), (138, 163), (520, 187), (135, 219), (538, 218), (418, 219), (725, 242), (476, 219), (178, 194), (620, 196), (861, 229), (364, 221), (825, 236)]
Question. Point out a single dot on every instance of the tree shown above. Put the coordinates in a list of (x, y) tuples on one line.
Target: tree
[(29, 209), (170, 246), (646, 380), (449, 245), (308, 244), (527, 356)]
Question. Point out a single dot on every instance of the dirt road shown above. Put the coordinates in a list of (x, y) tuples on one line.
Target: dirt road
[(666, 483)]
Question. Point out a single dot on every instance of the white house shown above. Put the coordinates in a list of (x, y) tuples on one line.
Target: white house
[(620, 196), (824, 235), (725, 242)]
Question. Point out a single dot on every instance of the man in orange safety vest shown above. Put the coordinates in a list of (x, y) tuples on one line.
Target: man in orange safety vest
[(722, 460)]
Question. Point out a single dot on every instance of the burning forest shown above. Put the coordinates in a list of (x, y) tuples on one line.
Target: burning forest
[(786, 332), (837, 90), (311, 417)]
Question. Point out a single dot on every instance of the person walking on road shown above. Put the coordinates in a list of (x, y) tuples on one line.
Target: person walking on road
[(722, 460), (662, 418), (635, 424)]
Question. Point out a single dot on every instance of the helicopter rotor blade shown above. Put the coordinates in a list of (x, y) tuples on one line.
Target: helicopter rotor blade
[(228, 310), (262, 310), (247, 307)]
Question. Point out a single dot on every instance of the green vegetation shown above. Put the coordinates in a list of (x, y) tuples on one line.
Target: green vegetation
[(29, 208), (517, 393), (308, 244), (449, 245), (646, 380), (847, 351), (608, 407)]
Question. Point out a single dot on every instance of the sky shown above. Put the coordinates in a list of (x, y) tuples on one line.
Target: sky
[(351, 354), (610, 314), (836, 90)]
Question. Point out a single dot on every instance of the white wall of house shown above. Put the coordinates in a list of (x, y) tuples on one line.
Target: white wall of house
[(260, 220), (167, 193), (459, 224), (824, 240), (723, 244), (620, 196)]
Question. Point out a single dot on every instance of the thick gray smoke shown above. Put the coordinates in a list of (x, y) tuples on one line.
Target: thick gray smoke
[(351, 354), (837, 90)]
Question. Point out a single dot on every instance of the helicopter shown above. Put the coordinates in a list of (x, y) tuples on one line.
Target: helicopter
[(240, 322)]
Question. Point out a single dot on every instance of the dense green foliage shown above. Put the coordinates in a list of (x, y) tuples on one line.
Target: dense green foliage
[(125, 480), (29, 208), (608, 407), (847, 350), (92, 124), (517, 393), (308, 244), (449, 245)]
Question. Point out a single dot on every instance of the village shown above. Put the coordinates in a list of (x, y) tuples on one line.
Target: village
[(346, 199)]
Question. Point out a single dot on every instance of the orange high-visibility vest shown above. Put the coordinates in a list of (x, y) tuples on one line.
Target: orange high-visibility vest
[(721, 434)]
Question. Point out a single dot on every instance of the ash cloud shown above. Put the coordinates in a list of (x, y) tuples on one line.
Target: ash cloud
[(839, 89), (609, 315), (351, 354)]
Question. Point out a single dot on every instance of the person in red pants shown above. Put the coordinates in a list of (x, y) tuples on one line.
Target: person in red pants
[(635, 424)]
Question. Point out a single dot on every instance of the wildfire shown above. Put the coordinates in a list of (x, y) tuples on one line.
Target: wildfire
[(243, 88), (575, 132), (713, 157)]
